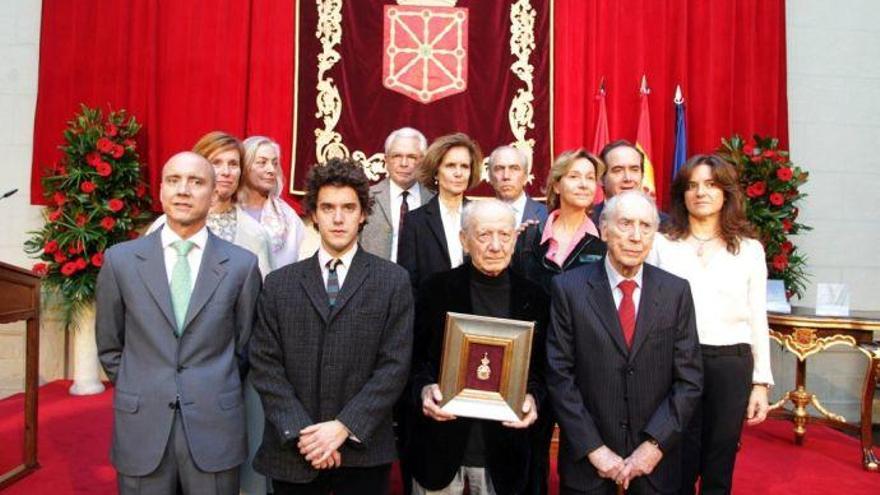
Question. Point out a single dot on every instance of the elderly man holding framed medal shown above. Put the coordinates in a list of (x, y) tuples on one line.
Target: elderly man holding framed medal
[(468, 348)]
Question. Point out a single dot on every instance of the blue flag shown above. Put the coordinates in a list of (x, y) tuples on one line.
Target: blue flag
[(680, 155)]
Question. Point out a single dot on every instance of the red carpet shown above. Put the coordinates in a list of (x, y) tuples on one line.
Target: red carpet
[(74, 436)]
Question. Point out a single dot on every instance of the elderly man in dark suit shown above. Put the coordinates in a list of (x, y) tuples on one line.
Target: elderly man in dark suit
[(447, 453), (397, 194), (331, 351), (624, 369), (509, 171), (174, 313)]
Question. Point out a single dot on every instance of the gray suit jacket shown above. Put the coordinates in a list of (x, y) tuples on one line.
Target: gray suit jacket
[(378, 232), (151, 367), (313, 364)]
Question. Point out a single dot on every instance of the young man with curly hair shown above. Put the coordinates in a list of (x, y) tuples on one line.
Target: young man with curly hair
[(331, 350)]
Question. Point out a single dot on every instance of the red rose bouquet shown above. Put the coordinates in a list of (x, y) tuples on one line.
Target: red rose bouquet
[(772, 189), (96, 198)]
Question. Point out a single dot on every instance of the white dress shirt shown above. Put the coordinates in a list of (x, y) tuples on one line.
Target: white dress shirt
[(194, 257), (519, 207), (341, 268), (413, 201), (730, 295), (451, 227), (615, 278)]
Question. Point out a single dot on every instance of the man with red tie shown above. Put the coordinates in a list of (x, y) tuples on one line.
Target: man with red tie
[(624, 369)]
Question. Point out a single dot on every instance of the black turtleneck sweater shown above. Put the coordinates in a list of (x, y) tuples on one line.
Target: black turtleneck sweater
[(490, 296)]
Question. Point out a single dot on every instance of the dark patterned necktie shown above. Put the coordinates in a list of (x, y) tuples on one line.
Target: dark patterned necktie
[(404, 209), (627, 311), (332, 280)]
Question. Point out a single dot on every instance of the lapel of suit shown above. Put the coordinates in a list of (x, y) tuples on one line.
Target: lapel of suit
[(383, 199), (529, 210), (357, 274), (435, 223), (646, 315), (600, 298), (312, 282), (211, 272), (155, 276)]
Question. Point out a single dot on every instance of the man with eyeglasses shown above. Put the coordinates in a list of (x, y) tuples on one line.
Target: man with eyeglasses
[(623, 362), (397, 194)]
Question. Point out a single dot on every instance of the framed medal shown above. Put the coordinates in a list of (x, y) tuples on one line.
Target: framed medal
[(484, 369)]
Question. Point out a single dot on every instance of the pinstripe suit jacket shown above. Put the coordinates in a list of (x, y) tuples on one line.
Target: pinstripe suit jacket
[(313, 364), (604, 394)]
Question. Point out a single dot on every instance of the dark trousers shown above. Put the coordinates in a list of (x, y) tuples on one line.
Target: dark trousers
[(540, 435), (638, 486), (710, 441), (341, 481)]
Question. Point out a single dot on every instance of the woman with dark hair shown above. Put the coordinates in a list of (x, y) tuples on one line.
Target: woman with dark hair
[(709, 242), (568, 239), (429, 241)]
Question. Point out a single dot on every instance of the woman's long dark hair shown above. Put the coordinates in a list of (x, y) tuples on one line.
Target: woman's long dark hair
[(733, 222)]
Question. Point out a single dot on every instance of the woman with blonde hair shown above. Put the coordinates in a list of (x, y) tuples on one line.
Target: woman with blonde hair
[(225, 219), (260, 197), (568, 238), (709, 242)]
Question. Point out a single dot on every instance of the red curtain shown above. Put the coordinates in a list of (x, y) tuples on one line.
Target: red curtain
[(181, 68), (728, 56), (185, 68)]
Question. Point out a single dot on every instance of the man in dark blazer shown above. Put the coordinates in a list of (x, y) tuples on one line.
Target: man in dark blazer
[(396, 194), (508, 173), (445, 451), (624, 369), (624, 170), (331, 351), (174, 313)]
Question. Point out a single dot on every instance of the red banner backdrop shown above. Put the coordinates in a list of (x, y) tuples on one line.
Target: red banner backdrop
[(728, 56), (185, 68)]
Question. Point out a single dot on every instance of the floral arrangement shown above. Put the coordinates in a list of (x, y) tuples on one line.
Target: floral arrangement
[(772, 188), (96, 197)]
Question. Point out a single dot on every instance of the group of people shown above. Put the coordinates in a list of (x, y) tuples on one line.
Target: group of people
[(239, 368)]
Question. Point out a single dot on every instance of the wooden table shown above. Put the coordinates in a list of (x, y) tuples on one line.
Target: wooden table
[(803, 333)]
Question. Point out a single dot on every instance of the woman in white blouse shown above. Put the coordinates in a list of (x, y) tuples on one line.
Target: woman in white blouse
[(260, 197), (709, 242)]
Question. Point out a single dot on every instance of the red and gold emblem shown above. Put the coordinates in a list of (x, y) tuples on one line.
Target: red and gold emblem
[(425, 49)]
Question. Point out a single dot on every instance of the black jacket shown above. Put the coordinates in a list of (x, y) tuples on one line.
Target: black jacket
[(529, 259), (436, 448), (422, 248)]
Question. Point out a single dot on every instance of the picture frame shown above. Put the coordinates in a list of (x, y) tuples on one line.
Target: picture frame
[(484, 369)]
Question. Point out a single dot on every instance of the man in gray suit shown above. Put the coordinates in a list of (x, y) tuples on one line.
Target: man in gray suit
[(508, 173), (331, 350), (174, 312), (397, 194)]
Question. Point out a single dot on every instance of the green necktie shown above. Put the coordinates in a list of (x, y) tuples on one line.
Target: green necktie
[(181, 283)]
